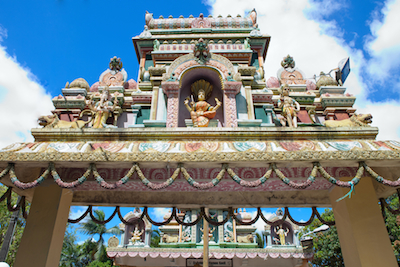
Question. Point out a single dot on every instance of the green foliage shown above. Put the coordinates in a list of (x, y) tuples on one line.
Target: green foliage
[(155, 239), (392, 225), (259, 240), (327, 251), (98, 263), (91, 228), (5, 216)]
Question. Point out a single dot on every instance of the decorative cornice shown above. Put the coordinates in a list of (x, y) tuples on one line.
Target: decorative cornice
[(181, 133)]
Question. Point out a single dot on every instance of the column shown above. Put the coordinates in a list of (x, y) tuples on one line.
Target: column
[(361, 228), (247, 74), (147, 237), (155, 78), (231, 89), (43, 236), (171, 89)]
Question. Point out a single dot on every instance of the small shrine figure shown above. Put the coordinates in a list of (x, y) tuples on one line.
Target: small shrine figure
[(289, 107), (282, 234), (103, 108), (136, 235), (201, 112), (156, 45), (210, 233)]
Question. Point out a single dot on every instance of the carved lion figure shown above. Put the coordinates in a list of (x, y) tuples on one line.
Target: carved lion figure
[(357, 120), (170, 239), (245, 239), (52, 121)]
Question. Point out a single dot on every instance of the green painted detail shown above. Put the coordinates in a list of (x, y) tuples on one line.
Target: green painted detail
[(144, 114)]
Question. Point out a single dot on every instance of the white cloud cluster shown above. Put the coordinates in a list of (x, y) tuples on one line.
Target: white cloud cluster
[(157, 214), (22, 99), (297, 28)]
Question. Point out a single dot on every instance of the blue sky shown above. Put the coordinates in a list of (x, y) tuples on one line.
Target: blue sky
[(44, 44)]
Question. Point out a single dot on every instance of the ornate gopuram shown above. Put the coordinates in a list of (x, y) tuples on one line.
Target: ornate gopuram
[(203, 131)]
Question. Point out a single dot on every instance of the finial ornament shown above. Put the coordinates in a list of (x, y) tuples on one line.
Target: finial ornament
[(115, 64), (201, 51), (288, 62)]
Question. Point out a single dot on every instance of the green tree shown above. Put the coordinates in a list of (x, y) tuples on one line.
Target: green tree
[(259, 240), (392, 222), (5, 216), (98, 263), (155, 238), (91, 228), (327, 251), (74, 255)]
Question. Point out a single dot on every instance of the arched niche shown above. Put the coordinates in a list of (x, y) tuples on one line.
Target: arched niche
[(130, 228), (286, 226), (187, 78)]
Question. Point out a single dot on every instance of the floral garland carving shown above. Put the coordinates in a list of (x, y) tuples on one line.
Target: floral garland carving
[(106, 185), (33, 184), (204, 186), (73, 184), (155, 186)]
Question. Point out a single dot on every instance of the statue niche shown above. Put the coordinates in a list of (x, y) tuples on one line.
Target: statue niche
[(201, 112)]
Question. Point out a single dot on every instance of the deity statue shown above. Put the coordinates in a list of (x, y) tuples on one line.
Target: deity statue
[(282, 234), (289, 107), (136, 235), (103, 108), (201, 112), (210, 233), (156, 45)]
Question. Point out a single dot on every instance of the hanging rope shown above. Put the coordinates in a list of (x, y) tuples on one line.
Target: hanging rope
[(350, 184)]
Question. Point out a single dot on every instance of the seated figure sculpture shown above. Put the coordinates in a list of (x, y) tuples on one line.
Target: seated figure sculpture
[(136, 235), (289, 107), (201, 112), (102, 109)]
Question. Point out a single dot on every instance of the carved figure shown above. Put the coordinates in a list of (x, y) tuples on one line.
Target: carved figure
[(282, 234), (228, 237), (288, 62), (136, 235), (186, 237), (170, 239), (289, 107), (52, 121), (156, 45), (201, 112), (357, 120), (245, 239), (201, 51), (210, 233), (247, 43), (102, 109)]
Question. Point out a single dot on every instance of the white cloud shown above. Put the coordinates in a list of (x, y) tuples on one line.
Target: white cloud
[(77, 211), (22, 99), (260, 223), (157, 214), (384, 47), (297, 28), (385, 30)]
